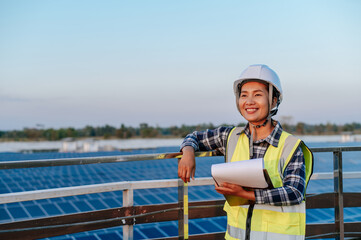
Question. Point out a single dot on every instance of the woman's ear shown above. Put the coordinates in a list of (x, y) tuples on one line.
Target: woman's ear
[(274, 102)]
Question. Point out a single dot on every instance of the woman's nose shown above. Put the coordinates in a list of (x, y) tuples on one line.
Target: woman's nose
[(249, 100)]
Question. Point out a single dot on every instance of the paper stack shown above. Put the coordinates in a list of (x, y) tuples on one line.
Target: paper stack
[(248, 173)]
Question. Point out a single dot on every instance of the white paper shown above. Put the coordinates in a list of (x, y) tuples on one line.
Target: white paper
[(248, 173)]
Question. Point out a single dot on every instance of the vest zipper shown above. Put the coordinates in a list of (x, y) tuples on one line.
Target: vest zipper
[(248, 221)]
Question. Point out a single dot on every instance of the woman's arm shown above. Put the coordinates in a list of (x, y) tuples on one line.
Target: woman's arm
[(208, 140), (294, 185), (203, 141)]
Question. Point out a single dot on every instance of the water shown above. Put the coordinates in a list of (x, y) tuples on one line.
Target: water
[(120, 144)]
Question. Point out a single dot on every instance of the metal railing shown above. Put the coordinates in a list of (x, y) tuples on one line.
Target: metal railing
[(127, 215)]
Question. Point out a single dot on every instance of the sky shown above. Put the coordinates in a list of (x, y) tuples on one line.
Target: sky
[(76, 63)]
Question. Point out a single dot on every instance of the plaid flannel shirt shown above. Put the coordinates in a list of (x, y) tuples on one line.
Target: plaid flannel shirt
[(294, 184)]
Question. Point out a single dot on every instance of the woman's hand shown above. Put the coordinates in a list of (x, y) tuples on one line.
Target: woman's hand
[(187, 164), (235, 190)]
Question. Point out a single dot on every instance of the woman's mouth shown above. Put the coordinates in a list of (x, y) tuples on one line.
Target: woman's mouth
[(251, 110)]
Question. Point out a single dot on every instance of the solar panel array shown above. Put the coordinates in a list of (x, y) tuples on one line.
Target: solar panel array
[(16, 180)]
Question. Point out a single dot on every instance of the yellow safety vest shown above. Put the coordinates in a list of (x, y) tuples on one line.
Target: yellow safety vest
[(267, 221)]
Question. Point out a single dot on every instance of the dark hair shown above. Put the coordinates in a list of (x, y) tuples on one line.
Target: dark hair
[(276, 93)]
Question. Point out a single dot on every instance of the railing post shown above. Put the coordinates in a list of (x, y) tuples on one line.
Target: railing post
[(183, 210), (338, 189), (128, 202)]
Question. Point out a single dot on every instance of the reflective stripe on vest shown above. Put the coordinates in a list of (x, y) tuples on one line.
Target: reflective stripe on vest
[(274, 222), (239, 234)]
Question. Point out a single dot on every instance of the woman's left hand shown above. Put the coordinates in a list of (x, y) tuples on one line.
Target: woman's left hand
[(235, 190)]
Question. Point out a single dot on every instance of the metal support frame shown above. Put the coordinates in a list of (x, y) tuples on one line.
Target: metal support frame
[(180, 211), (128, 231), (338, 189), (183, 233)]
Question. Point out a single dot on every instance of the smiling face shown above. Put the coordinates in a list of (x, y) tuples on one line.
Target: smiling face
[(253, 102)]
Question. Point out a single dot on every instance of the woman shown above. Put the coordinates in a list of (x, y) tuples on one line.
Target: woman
[(277, 213)]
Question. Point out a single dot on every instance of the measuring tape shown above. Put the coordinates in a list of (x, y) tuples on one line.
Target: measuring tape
[(185, 211)]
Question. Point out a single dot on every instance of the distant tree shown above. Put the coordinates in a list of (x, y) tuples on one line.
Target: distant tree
[(124, 132), (62, 133), (147, 132), (107, 131), (357, 126), (89, 131), (185, 130), (32, 133), (320, 128), (300, 128), (71, 132), (50, 134), (241, 124), (331, 128), (348, 127)]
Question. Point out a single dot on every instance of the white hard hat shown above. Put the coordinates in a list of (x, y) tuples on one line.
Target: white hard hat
[(263, 73)]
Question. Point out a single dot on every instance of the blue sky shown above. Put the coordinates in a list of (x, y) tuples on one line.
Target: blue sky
[(76, 63)]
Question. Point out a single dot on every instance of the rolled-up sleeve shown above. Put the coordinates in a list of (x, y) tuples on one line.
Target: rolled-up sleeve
[(208, 140)]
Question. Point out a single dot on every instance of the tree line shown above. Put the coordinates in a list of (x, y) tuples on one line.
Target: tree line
[(146, 131)]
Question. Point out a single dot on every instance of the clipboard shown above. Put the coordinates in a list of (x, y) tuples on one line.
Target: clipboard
[(248, 173)]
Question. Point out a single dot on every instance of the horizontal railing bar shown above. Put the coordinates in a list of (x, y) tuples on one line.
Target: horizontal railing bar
[(95, 188), (127, 158), (336, 149), (120, 186), (95, 160), (124, 215), (79, 222), (325, 176), (327, 230), (327, 200)]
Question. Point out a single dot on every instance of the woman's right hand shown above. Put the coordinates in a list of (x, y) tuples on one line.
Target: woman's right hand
[(187, 164)]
